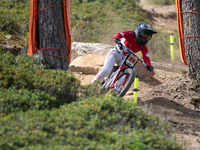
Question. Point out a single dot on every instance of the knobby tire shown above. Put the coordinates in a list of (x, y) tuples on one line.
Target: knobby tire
[(131, 78)]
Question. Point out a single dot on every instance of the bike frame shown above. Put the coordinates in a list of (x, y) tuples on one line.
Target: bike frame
[(116, 76)]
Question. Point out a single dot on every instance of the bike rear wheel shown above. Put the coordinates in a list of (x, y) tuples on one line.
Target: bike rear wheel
[(123, 83)]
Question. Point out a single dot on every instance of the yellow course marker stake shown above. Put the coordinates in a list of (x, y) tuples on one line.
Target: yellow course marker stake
[(172, 46), (135, 90)]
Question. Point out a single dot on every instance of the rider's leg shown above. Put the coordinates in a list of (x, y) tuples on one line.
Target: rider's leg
[(107, 68)]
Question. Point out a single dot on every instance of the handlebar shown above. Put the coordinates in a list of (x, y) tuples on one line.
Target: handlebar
[(130, 51)]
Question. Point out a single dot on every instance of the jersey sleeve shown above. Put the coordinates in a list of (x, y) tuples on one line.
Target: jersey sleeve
[(121, 35), (145, 55)]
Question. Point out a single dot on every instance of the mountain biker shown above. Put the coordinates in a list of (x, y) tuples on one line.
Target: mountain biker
[(135, 41)]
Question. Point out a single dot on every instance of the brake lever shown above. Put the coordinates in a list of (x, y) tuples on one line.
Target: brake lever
[(142, 62)]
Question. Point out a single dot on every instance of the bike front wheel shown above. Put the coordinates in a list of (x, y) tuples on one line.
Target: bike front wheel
[(124, 82)]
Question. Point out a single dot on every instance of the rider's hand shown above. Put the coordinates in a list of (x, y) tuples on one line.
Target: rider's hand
[(150, 68), (119, 43), (117, 40)]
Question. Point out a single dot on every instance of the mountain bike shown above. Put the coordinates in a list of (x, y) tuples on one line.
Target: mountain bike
[(122, 77)]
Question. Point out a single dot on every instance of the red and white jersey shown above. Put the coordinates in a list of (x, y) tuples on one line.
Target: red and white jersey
[(129, 40)]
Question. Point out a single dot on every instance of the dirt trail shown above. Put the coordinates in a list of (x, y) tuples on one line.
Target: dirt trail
[(160, 17), (168, 94)]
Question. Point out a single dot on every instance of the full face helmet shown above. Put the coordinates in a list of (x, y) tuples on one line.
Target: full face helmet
[(144, 33)]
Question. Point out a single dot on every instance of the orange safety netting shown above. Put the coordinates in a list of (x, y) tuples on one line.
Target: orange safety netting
[(181, 31), (33, 39)]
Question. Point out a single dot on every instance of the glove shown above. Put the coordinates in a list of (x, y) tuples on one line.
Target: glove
[(119, 43), (117, 40), (150, 68)]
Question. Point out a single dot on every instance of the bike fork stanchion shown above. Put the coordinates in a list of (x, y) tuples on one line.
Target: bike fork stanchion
[(135, 90)]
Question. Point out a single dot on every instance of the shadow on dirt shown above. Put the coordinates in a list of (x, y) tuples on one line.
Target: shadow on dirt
[(172, 112), (151, 81), (169, 104)]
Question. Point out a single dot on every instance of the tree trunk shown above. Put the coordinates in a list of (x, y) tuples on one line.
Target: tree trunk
[(191, 25), (52, 32)]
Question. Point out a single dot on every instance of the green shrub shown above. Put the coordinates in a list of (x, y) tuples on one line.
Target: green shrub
[(13, 100), (94, 123), (90, 90), (22, 73)]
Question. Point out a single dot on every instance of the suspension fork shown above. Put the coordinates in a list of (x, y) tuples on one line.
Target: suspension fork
[(116, 76)]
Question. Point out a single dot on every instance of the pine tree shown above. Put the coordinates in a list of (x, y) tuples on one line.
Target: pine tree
[(191, 22), (52, 32)]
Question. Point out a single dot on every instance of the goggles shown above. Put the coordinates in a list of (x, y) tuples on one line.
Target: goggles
[(146, 36)]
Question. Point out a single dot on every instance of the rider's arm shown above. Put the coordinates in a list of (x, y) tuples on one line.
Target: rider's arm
[(145, 55), (121, 35)]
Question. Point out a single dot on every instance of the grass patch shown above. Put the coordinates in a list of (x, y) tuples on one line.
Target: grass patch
[(14, 18), (162, 2), (159, 47), (98, 21)]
